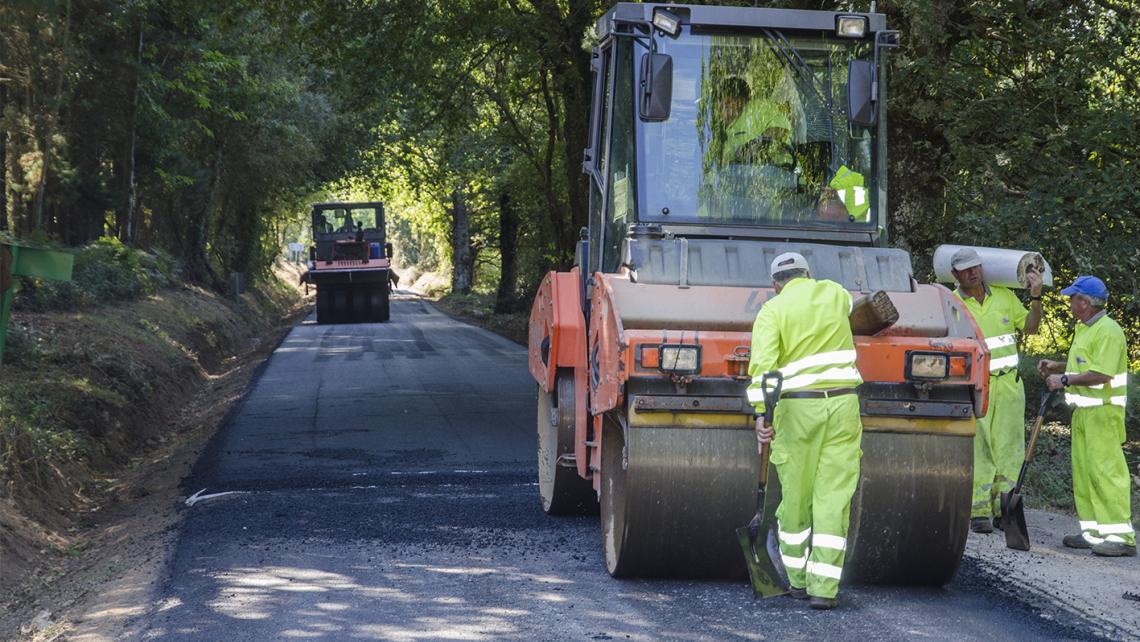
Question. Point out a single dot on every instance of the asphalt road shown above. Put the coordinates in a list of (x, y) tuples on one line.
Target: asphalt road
[(381, 485)]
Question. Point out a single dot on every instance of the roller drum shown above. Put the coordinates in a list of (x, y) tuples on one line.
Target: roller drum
[(673, 498), (672, 510), (911, 513)]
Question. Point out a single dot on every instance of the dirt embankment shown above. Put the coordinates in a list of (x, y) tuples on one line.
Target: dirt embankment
[(101, 413)]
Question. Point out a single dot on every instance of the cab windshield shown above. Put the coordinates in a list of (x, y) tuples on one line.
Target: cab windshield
[(345, 220), (757, 135)]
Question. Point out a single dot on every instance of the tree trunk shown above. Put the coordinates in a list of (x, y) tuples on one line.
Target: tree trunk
[(126, 215), (462, 258), (3, 153), (508, 253), (574, 86)]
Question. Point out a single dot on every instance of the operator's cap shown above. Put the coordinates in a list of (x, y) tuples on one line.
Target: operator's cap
[(789, 261), (965, 258), (1088, 286)]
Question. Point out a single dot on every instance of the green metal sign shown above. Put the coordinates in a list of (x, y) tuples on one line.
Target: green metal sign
[(16, 260)]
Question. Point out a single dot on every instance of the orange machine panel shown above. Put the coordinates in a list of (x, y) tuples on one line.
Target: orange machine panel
[(557, 330), (606, 348)]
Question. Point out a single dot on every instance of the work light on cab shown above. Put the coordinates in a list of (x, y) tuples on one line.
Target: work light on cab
[(667, 22), (850, 26)]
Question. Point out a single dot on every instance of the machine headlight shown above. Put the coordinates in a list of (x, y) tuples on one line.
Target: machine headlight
[(927, 365), (667, 22), (680, 359), (850, 26)]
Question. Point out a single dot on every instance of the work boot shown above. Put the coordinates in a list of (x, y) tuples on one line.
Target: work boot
[(1076, 541), (822, 603), (1114, 549), (997, 522), (798, 593), (981, 525)]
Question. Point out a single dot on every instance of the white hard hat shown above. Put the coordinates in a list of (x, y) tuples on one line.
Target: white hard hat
[(789, 261)]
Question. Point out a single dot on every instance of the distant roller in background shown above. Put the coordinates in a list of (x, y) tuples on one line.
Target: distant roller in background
[(999, 267)]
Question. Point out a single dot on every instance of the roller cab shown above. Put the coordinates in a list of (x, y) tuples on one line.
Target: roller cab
[(722, 137)]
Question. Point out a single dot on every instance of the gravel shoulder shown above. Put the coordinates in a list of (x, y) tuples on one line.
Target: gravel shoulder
[(1064, 581)]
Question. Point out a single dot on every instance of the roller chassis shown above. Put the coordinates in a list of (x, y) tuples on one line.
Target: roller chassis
[(353, 281), (670, 455)]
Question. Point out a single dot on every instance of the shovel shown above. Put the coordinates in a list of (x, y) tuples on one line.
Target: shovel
[(1012, 507), (765, 568)]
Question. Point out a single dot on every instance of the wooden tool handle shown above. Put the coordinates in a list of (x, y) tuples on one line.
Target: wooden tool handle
[(765, 451)]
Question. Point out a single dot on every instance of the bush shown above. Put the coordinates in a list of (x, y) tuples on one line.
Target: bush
[(105, 271)]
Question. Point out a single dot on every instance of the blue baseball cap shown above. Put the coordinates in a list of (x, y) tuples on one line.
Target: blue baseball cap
[(1088, 286)]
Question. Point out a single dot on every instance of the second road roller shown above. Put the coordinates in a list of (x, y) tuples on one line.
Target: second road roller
[(720, 138)]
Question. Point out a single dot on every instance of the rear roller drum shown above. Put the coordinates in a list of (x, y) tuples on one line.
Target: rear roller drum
[(341, 305), (560, 488), (672, 497), (324, 312)]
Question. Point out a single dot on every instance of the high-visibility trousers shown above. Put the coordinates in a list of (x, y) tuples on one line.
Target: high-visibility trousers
[(816, 452), (1102, 487), (999, 445)]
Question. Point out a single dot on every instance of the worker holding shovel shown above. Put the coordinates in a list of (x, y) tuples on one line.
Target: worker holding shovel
[(999, 445), (804, 333), (1095, 379)]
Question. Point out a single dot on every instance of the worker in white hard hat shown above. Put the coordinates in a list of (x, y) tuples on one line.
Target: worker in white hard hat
[(804, 333), (999, 444)]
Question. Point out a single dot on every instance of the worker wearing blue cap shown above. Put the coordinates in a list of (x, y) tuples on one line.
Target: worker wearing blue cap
[(1095, 381)]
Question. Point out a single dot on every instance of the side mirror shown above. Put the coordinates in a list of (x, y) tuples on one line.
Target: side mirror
[(861, 92), (656, 86), (387, 250)]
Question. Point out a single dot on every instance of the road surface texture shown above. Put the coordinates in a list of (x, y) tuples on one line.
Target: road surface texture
[(378, 483)]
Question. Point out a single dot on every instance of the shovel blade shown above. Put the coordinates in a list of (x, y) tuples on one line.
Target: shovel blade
[(1013, 521), (762, 572)]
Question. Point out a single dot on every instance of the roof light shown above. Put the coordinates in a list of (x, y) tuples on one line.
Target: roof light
[(850, 26), (667, 22)]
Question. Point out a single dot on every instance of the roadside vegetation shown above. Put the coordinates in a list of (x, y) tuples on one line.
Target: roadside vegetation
[(96, 376)]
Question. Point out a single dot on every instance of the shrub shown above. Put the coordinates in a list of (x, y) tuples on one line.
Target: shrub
[(105, 271)]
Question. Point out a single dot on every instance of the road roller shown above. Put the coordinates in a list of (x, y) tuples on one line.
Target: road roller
[(350, 263), (720, 138)]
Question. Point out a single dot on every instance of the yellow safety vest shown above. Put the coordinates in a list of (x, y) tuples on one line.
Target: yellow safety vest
[(805, 334), (849, 185), (1000, 316), (1099, 347)]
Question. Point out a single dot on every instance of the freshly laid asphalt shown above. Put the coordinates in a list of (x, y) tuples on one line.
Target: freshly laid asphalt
[(378, 483)]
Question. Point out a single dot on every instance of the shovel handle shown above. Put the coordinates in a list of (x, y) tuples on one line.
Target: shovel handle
[(1045, 399), (765, 451), (771, 397)]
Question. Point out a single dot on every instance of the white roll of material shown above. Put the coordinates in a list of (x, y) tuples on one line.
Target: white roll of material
[(999, 267)]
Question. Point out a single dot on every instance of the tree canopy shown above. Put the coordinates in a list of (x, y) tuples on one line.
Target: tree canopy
[(204, 128)]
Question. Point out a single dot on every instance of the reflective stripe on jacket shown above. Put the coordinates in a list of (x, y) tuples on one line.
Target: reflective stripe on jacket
[(1099, 347), (804, 332), (999, 316)]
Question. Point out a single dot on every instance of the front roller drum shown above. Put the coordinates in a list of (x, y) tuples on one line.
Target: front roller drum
[(560, 488), (672, 498), (353, 303), (911, 513)]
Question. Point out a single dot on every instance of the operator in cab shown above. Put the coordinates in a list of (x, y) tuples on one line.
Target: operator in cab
[(999, 444), (804, 334)]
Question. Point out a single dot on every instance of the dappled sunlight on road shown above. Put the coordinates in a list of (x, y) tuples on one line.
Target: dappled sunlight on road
[(399, 601)]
